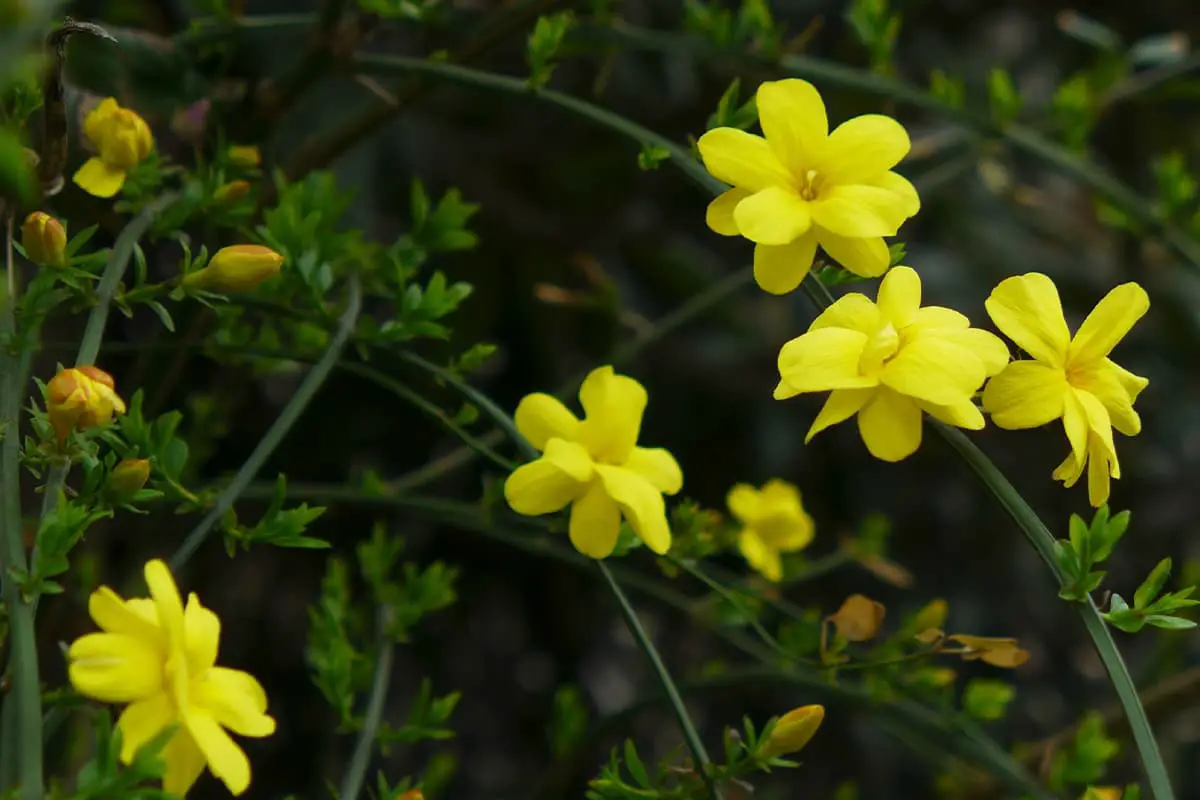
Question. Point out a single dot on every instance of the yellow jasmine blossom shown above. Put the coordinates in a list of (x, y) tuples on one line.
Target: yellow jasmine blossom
[(799, 186), (1068, 378), (773, 522), (889, 360), (121, 140), (238, 268), (794, 730), (159, 657), (81, 398), (595, 466), (44, 239)]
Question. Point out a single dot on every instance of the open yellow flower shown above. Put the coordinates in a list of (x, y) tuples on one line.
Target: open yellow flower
[(595, 466), (773, 522), (159, 657), (887, 361), (802, 186), (121, 139), (1068, 378)]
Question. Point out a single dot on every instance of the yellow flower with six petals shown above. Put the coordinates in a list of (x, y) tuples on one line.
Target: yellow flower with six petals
[(773, 522), (121, 139), (159, 657), (887, 361), (595, 466), (1068, 378), (800, 186)]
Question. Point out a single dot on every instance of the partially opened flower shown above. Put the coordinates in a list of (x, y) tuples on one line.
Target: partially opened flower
[(793, 731), (799, 186), (773, 522), (1067, 378), (888, 361), (594, 466), (80, 398), (160, 658), (121, 139)]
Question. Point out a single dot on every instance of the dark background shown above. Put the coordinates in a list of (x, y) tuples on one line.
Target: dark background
[(563, 200)]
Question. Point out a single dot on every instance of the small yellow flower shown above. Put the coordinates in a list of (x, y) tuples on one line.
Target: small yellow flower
[(44, 239), (239, 268), (121, 139), (159, 658), (889, 360), (794, 731), (1068, 378), (231, 192), (773, 522), (595, 466), (997, 651), (245, 155), (802, 186), (81, 398)]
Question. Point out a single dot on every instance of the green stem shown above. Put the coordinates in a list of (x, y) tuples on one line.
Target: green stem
[(56, 479), (283, 423), (699, 754), (353, 780), (114, 271)]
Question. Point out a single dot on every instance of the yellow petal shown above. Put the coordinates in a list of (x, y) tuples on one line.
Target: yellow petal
[(115, 615), (862, 148), (641, 504), (1099, 471), (1108, 323), (868, 258), (1107, 386), (1027, 394), (658, 466), (541, 417), (614, 405), (824, 359), (931, 318), (184, 762), (853, 311), (595, 522), (99, 179), (202, 633), (96, 120), (1027, 310), (962, 414), (141, 721), (743, 502), (167, 602), (900, 296), (934, 370), (890, 426), (1075, 424), (775, 215), (719, 215), (1098, 422), (987, 347), (779, 269), (741, 159), (115, 668), (792, 116), (226, 697), (1069, 471), (543, 486), (841, 405), (1134, 384), (896, 183), (857, 211), (235, 680), (761, 557), (225, 759)]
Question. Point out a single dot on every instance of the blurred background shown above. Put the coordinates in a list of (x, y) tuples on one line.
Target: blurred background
[(581, 252)]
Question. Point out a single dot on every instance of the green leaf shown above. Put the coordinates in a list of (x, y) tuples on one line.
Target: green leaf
[(986, 699), (1170, 623), (1153, 584), (635, 766)]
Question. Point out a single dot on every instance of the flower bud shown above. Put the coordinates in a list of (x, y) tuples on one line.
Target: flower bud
[(44, 239), (239, 268), (793, 731), (244, 155), (127, 478), (232, 192), (81, 398), (859, 618), (1102, 793)]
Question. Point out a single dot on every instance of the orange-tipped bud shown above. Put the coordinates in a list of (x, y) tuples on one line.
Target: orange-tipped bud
[(127, 478), (245, 155), (81, 398), (44, 239), (232, 192), (239, 268), (793, 731)]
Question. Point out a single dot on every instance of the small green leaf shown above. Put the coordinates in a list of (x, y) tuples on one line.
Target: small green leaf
[(635, 766), (1153, 584)]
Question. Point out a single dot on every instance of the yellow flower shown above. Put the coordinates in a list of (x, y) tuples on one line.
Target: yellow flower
[(121, 140), (887, 361), (245, 155), (159, 658), (81, 398), (44, 239), (794, 730), (997, 651), (1068, 378), (802, 186), (595, 466), (239, 268), (773, 522)]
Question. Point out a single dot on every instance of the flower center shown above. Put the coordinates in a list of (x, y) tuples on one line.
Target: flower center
[(881, 347), (810, 184)]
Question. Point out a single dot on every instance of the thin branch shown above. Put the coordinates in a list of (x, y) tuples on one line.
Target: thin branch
[(357, 771)]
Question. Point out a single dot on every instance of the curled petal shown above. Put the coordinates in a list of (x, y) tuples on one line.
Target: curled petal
[(1075, 424), (841, 405), (658, 466), (115, 615), (595, 522), (775, 215), (719, 214), (741, 159), (614, 405), (1027, 310), (1027, 394), (541, 417), (890, 425), (824, 359), (862, 148), (225, 759), (779, 269), (868, 258), (1107, 386), (1100, 469), (900, 296), (1134, 384), (232, 698), (641, 504), (1108, 323), (202, 632), (792, 116)]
